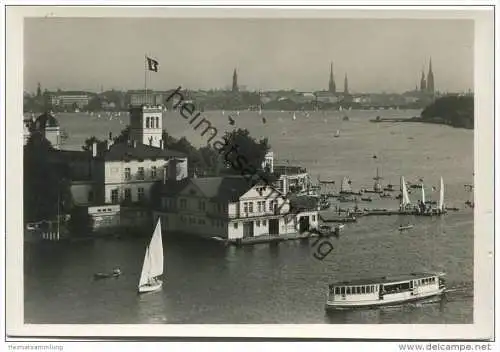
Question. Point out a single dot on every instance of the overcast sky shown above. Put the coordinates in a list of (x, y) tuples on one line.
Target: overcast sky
[(377, 55)]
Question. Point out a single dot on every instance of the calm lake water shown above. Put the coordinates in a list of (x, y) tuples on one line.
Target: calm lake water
[(283, 283)]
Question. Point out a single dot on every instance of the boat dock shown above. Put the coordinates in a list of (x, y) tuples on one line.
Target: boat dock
[(270, 238)]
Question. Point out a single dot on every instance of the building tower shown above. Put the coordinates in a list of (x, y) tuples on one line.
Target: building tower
[(346, 85), (430, 78), (331, 83), (235, 81), (146, 125), (423, 85)]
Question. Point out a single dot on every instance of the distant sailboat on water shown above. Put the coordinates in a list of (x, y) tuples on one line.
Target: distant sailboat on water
[(441, 207), (294, 117), (337, 134), (423, 193), (405, 199), (152, 267)]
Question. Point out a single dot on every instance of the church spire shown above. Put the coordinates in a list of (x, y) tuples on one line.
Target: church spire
[(423, 85), (430, 78), (235, 81), (346, 85), (331, 83)]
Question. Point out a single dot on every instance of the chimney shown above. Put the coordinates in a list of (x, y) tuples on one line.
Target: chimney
[(94, 149), (172, 169)]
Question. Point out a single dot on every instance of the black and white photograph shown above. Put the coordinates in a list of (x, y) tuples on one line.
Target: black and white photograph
[(239, 167)]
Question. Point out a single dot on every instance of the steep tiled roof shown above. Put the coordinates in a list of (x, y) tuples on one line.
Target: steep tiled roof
[(120, 151), (228, 188), (172, 188), (70, 155)]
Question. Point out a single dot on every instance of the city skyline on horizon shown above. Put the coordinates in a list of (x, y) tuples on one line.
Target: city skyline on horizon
[(374, 64)]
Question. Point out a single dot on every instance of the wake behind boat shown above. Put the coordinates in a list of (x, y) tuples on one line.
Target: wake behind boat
[(384, 291), (152, 268)]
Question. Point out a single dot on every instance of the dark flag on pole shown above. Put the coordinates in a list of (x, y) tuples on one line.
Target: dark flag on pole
[(152, 64)]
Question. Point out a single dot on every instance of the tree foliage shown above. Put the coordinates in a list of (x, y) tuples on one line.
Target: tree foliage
[(243, 152), (454, 110), (46, 183)]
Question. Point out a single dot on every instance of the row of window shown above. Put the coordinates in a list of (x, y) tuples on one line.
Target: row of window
[(153, 122), (427, 281), (183, 204), (352, 290), (192, 220), (115, 197), (99, 210), (349, 290), (261, 206), (140, 173)]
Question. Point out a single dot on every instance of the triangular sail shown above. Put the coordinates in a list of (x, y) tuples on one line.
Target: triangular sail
[(153, 259), (441, 195), (346, 186), (405, 199), (423, 194)]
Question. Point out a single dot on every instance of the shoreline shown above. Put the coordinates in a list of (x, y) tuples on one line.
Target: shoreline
[(416, 120)]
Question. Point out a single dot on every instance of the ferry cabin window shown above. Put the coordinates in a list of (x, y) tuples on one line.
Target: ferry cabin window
[(363, 289), (348, 290), (342, 290)]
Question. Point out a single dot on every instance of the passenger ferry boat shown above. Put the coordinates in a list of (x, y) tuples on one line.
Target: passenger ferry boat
[(371, 293)]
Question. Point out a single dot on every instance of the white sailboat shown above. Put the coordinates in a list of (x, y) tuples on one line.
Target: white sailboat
[(153, 263), (345, 187), (405, 199), (337, 134), (441, 196), (423, 193), (294, 117)]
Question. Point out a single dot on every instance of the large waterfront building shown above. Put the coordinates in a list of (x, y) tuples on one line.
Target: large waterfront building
[(111, 174), (143, 97), (230, 208), (70, 100)]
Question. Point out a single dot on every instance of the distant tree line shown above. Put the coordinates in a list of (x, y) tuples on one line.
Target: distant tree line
[(453, 110)]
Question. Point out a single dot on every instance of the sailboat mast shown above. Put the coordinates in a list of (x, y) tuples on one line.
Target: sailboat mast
[(58, 209)]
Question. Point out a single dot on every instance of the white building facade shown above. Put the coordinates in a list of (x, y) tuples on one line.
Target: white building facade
[(228, 207)]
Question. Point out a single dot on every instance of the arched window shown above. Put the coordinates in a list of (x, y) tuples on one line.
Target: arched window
[(157, 122), (147, 122)]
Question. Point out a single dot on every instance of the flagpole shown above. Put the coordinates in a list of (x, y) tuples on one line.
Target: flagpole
[(146, 79)]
